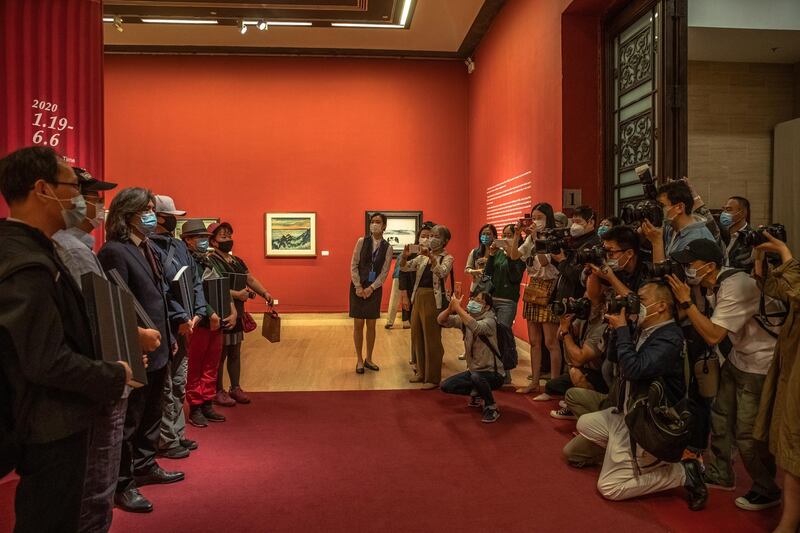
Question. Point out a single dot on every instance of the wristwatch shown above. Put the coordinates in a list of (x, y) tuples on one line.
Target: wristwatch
[(562, 334), (686, 305)]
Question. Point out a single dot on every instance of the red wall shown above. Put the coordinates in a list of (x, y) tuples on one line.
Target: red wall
[(515, 106), (237, 137)]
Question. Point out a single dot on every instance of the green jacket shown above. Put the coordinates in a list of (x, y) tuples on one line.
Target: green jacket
[(506, 275)]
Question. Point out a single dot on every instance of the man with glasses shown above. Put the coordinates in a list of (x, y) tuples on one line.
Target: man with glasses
[(52, 383)]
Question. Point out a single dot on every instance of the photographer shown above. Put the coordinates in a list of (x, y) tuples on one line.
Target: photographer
[(734, 218), (623, 271), (584, 237), (778, 422), (505, 268), (734, 297), (657, 354)]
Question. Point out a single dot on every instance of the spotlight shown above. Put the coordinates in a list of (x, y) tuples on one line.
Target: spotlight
[(262, 25), (118, 23), (470, 63), (242, 28)]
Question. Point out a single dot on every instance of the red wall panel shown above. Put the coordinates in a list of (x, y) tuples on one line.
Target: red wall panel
[(237, 137), (51, 52)]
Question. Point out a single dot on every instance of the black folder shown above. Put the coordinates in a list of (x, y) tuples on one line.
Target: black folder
[(182, 288), (144, 319), (218, 295), (237, 281), (112, 315)]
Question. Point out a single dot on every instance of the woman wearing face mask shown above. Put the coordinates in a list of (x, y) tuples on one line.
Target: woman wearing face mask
[(432, 266), (478, 257), (221, 244), (408, 279), (505, 268), (369, 268), (542, 325), (484, 368), (606, 224)]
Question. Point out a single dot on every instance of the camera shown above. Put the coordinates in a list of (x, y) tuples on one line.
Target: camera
[(647, 209), (755, 238), (581, 308), (647, 181), (630, 302), (555, 240), (665, 268), (595, 255)]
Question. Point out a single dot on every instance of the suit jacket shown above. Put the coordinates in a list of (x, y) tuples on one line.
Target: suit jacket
[(50, 378), (148, 288), (181, 257)]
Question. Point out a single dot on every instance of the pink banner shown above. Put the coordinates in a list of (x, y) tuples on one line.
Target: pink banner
[(51, 79)]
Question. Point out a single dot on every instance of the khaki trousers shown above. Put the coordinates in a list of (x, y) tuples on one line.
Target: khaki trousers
[(426, 337)]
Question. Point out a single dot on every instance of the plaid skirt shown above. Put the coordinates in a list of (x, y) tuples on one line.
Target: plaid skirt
[(539, 313)]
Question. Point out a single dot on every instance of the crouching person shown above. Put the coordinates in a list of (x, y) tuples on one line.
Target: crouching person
[(657, 354), (484, 368)]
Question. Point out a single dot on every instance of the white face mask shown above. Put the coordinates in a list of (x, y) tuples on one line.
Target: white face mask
[(643, 313), (540, 224), (614, 265), (435, 243), (425, 241), (375, 228), (576, 230), (692, 277)]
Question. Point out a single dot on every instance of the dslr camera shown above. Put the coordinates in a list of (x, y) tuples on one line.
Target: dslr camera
[(581, 308), (663, 269), (754, 237), (630, 302), (555, 240), (595, 255), (647, 209)]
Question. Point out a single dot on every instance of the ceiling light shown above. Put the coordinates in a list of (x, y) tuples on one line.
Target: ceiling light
[(180, 21), (242, 28), (360, 25), (406, 10), (118, 23), (108, 19), (283, 23), (262, 25)]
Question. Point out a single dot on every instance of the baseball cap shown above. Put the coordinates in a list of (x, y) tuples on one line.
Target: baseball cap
[(166, 205), (700, 249), (89, 183)]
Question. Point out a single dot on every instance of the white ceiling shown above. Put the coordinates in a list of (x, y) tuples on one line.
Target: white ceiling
[(744, 45), (437, 25)]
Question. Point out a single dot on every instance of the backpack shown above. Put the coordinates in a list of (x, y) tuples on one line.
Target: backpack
[(507, 345)]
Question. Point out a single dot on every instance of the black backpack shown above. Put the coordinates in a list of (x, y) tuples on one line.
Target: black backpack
[(507, 345)]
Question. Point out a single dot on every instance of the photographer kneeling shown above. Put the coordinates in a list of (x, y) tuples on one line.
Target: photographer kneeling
[(656, 355), (484, 368), (735, 298)]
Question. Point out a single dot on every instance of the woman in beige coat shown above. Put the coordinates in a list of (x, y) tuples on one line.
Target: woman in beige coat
[(778, 420)]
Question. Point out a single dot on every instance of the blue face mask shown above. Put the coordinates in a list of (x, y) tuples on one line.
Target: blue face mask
[(147, 223), (202, 245), (602, 230), (474, 308), (486, 240), (726, 219)]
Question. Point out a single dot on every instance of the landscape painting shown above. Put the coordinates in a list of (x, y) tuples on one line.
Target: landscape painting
[(291, 235), (401, 227)]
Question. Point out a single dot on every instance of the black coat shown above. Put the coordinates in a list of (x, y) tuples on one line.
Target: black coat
[(47, 359), (149, 289)]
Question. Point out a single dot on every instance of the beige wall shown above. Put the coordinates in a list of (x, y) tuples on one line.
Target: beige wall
[(733, 109)]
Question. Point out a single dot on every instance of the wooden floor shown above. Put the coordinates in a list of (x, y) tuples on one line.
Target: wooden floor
[(316, 353)]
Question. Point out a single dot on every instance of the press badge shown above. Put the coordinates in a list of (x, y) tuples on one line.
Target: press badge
[(372, 276)]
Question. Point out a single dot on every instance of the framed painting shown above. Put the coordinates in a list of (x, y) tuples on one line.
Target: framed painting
[(290, 235), (401, 227), (181, 221)]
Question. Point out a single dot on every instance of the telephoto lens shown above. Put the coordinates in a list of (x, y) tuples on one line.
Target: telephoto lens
[(630, 302), (581, 308), (665, 268), (755, 237), (595, 255)]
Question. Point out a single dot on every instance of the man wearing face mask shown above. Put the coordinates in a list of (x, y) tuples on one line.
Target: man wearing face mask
[(735, 217), (173, 442), (128, 250), (655, 351), (584, 236), (52, 384), (735, 298), (484, 368), (623, 272)]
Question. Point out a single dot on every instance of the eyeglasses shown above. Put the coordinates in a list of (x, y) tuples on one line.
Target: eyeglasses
[(610, 251), (74, 184)]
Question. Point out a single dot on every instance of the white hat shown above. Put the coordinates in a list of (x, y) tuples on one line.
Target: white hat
[(165, 204)]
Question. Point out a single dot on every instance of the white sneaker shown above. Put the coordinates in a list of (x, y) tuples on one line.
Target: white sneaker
[(563, 414)]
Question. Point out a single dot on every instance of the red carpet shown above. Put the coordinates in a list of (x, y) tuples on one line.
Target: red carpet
[(399, 461)]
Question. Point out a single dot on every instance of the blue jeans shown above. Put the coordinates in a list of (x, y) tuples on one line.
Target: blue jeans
[(505, 311), (466, 382)]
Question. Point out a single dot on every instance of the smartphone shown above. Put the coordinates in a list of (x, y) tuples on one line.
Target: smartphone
[(501, 243), (457, 289), (414, 248), (526, 222)]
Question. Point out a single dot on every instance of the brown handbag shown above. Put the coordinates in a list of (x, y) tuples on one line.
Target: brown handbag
[(538, 291), (271, 327)]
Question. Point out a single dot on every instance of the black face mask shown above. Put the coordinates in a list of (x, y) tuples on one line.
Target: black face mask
[(225, 246), (170, 222)]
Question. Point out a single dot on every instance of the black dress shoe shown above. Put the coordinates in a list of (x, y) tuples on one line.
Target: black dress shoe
[(132, 501), (176, 452), (189, 444), (697, 493), (211, 415), (158, 476), (371, 366)]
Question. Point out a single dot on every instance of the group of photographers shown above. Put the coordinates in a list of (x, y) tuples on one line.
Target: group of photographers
[(678, 337)]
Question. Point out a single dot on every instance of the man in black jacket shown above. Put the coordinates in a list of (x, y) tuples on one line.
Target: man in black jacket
[(583, 233), (128, 250), (49, 373), (655, 352)]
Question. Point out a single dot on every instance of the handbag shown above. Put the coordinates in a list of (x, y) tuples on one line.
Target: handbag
[(538, 291), (706, 374), (248, 322), (271, 327)]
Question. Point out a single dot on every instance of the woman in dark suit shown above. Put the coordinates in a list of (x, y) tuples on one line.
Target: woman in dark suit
[(128, 251)]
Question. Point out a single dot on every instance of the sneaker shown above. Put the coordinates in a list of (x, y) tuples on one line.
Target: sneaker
[(176, 452), (490, 415), (388, 325), (562, 404), (563, 414), (714, 484), (211, 415), (696, 491), (406, 325), (753, 501), (189, 444), (543, 397), (223, 398), (475, 401), (239, 396), (196, 418)]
